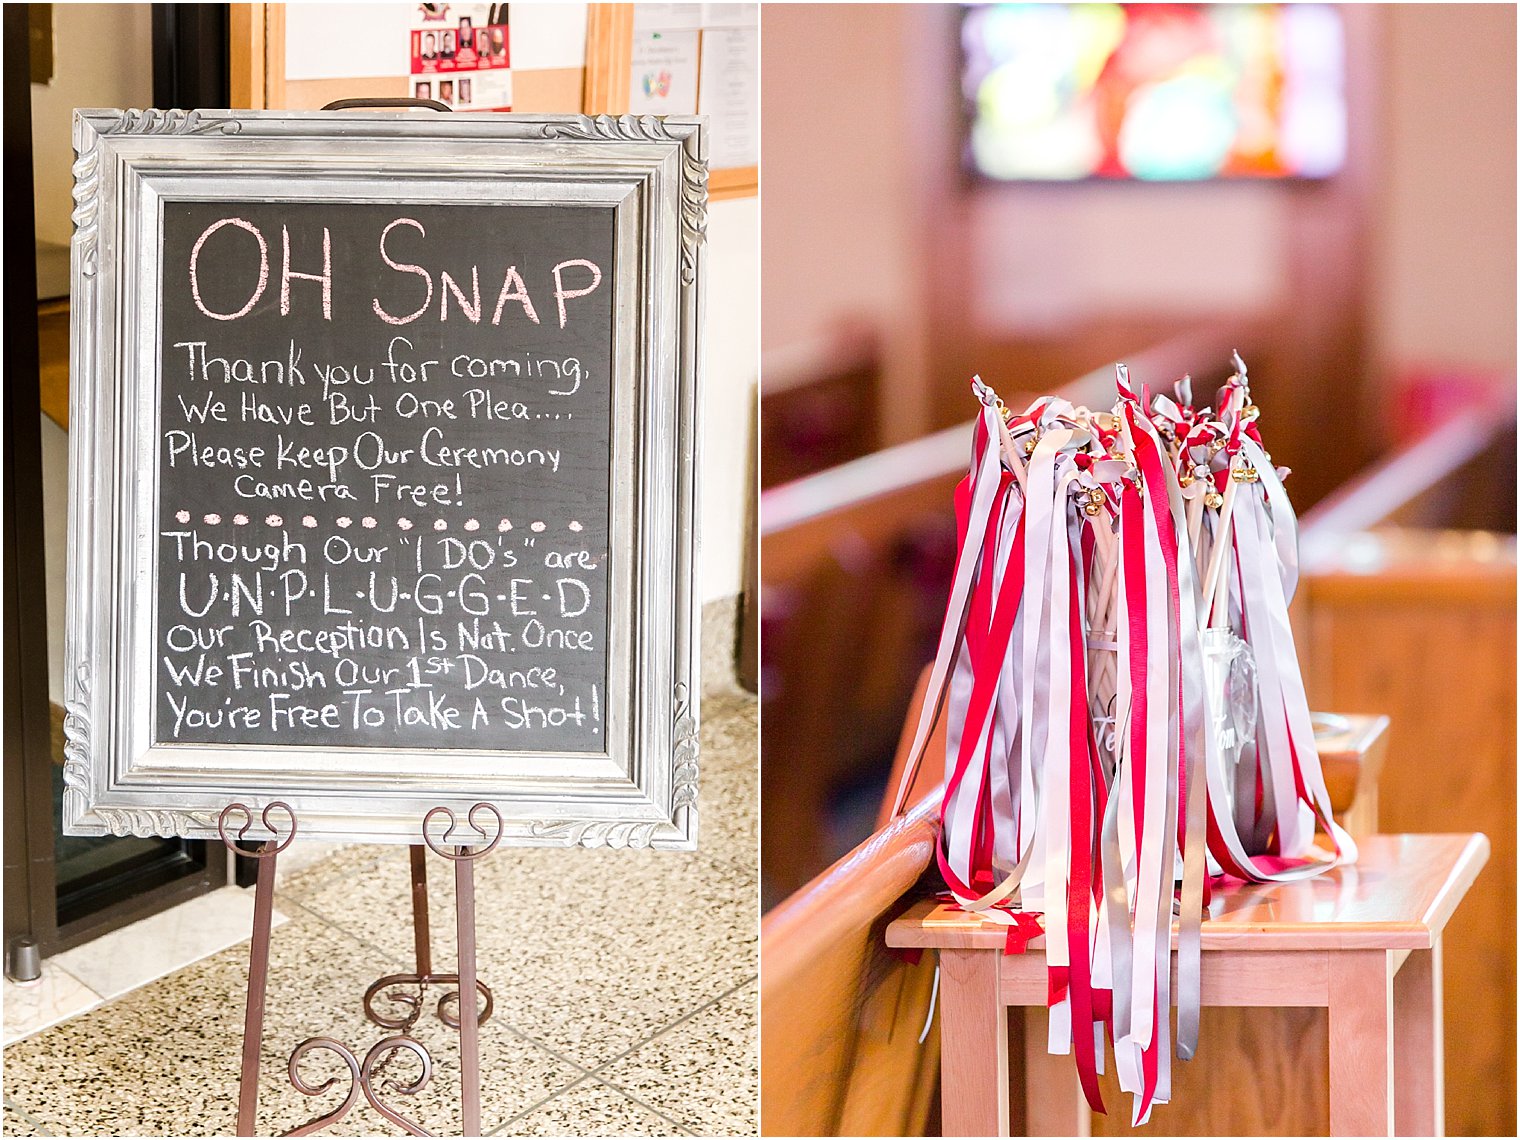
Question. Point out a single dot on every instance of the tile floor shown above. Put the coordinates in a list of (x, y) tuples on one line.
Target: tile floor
[(54, 997), (82, 978), (625, 982)]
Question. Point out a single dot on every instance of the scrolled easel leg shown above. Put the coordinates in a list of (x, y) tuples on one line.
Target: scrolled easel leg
[(463, 857), (421, 934), (469, 1027), (258, 951)]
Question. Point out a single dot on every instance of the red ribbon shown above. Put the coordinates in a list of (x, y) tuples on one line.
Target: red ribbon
[(1026, 926)]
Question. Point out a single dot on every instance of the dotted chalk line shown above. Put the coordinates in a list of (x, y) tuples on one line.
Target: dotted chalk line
[(368, 522)]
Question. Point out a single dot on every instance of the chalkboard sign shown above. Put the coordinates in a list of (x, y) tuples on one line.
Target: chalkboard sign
[(381, 491), (383, 483)]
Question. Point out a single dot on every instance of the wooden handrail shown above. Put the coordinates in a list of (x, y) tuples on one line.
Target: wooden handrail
[(840, 1014), (864, 883), (1385, 487)]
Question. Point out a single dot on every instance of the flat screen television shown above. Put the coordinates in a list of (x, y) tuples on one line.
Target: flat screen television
[(1153, 92)]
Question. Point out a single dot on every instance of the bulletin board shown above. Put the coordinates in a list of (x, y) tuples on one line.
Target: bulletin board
[(640, 58), (558, 57), (300, 57), (562, 59)]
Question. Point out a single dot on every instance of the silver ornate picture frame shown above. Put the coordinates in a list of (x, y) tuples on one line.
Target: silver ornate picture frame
[(641, 791)]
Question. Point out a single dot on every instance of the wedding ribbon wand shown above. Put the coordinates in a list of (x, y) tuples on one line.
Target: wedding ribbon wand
[(1117, 616)]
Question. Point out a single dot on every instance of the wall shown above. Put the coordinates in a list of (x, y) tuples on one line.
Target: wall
[(1444, 242), (837, 200), (867, 217), (102, 58), (731, 358), (1047, 258)]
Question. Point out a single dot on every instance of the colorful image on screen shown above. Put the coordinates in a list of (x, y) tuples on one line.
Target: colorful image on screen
[(1160, 92)]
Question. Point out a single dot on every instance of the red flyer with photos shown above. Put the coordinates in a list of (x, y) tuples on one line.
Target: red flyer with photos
[(460, 56)]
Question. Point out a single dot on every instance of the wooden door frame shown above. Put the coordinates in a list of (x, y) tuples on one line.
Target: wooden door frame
[(256, 55), (29, 890)]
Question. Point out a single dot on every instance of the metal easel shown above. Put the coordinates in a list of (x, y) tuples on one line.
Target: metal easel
[(365, 1075)]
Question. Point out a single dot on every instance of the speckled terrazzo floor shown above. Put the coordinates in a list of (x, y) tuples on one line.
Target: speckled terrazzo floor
[(625, 983)]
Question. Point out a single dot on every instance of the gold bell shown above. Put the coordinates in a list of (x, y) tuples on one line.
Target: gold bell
[(1213, 499)]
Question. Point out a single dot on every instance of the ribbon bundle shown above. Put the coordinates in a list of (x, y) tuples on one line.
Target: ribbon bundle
[(1125, 715)]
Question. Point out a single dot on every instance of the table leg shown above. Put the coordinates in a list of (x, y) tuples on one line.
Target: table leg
[(1419, 1081), (973, 1045), (1361, 1043), (1053, 1102)]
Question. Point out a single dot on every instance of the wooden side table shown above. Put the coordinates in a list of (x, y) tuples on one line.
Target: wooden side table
[(1364, 942)]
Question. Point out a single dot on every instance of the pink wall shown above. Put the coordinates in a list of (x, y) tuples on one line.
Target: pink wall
[(1443, 249), (839, 200), (837, 166)]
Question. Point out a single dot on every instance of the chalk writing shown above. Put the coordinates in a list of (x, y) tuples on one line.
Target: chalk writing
[(342, 462)]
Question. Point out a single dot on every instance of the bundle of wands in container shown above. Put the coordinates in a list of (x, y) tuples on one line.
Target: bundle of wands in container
[(1126, 721)]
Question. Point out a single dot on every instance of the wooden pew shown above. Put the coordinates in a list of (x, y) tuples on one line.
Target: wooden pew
[(840, 1014), (1381, 620), (1420, 624), (820, 405)]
